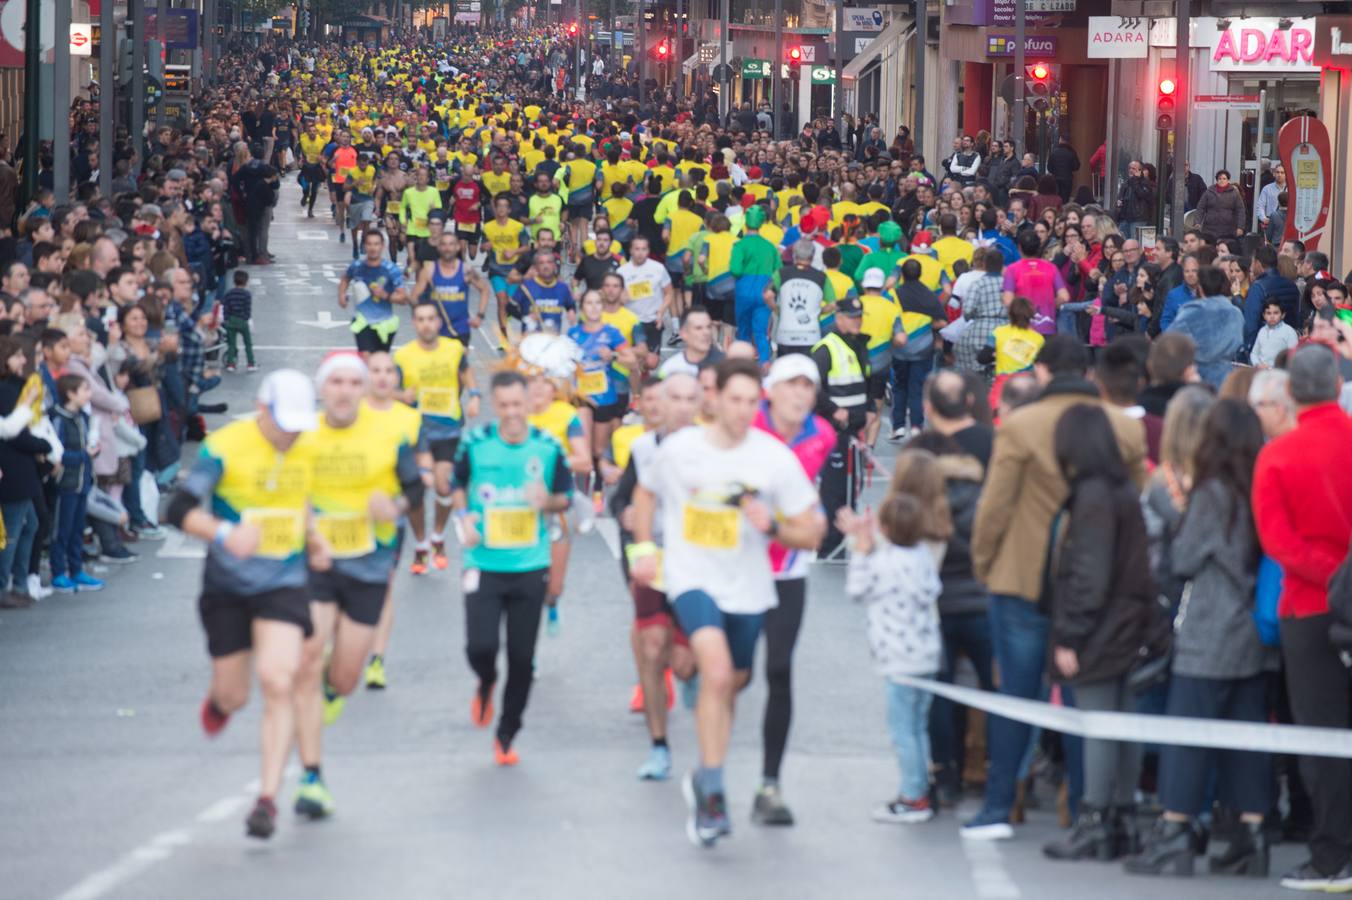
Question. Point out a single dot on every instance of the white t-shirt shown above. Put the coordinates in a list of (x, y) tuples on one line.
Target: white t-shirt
[(645, 285), (708, 543)]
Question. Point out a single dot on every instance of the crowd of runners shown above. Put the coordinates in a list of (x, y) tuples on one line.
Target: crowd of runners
[(706, 333)]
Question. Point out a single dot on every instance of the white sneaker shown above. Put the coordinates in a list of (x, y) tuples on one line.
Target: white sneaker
[(36, 590), (990, 831), (899, 434)]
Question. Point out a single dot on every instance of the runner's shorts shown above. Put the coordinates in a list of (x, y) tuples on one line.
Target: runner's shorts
[(443, 450), (361, 211), (610, 412), (228, 617), (470, 232), (696, 610), (360, 600), (651, 610), (370, 341)]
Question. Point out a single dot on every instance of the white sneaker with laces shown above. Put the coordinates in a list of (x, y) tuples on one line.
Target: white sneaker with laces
[(36, 590)]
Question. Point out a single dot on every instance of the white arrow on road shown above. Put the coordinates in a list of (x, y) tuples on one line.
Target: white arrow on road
[(323, 319)]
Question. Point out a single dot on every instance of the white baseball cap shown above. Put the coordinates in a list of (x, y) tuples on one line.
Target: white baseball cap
[(290, 399), (874, 278), (795, 365)]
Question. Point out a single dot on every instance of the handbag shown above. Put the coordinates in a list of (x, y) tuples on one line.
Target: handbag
[(1156, 654), (145, 405)]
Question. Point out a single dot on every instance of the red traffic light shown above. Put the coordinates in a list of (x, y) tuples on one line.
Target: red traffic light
[(795, 54), (572, 29), (662, 50), (1167, 86), (1039, 71)]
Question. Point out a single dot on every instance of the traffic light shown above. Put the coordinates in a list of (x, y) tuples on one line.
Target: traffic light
[(661, 51), (1038, 76), (1166, 104), (795, 55), (572, 29)]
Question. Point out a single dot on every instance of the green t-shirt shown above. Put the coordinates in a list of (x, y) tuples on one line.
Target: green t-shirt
[(548, 208), (754, 255), (885, 259), (417, 206), (494, 475)]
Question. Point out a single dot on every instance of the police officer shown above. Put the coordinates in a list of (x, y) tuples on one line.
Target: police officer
[(842, 361)]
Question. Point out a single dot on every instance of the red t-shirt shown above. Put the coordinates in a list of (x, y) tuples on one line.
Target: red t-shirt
[(465, 206)]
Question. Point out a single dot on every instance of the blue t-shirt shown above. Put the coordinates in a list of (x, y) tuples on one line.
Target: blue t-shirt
[(384, 274), (595, 372), (549, 302)]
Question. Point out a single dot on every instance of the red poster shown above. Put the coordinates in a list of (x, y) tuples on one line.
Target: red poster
[(1303, 146)]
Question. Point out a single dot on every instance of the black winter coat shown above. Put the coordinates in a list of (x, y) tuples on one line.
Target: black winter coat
[(19, 455), (1103, 597)]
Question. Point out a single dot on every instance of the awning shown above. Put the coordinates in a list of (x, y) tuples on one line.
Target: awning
[(898, 32)]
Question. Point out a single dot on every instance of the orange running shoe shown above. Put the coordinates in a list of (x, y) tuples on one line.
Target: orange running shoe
[(636, 699), (481, 708), (419, 565), (503, 757), (439, 555)]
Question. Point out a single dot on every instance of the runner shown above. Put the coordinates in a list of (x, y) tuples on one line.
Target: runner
[(787, 414), (445, 283), (312, 168), (379, 285), (361, 206), (543, 300), (508, 477), (435, 373), (254, 599), (416, 205), (364, 476), (614, 312), (578, 178), (342, 159), (698, 350), (507, 240), (602, 384), (659, 647), (381, 398), (648, 292), (467, 209), (558, 418), (389, 199), (725, 492)]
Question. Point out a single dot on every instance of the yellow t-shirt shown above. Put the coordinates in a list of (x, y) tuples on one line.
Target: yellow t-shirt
[(434, 375)]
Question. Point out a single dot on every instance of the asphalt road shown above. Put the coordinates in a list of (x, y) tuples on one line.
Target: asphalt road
[(108, 787)]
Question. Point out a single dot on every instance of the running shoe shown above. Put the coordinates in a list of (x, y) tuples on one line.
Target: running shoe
[(419, 566), (262, 822), (553, 624), (149, 532), (657, 767), (988, 827), (230, 367), (119, 556), (313, 799), (253, 367), (63, 584), (636, 699), (481, 707), (36, 589), (769, 807), (86, 582), (333, 704), (504, 756), (439, 558), (905, 812), (375, 674), (708, 819), (213, 720)]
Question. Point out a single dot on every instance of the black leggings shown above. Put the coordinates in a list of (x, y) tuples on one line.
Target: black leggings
[(314, 182), (781, 633), (519, 595)]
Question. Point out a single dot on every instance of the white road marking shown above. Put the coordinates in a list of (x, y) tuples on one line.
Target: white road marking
[(303, 234), (989, 877), (223, 809), (323, 319), (609, 530)]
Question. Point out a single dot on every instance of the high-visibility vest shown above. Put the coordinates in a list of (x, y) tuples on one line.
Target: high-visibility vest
[(846, 383)]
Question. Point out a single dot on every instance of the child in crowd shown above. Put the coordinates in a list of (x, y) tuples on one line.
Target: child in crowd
[(894, 568), (238, 307), (1274, 337), (77, 477), (1013, 347)]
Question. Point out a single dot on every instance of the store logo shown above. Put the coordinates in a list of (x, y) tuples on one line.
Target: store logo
[(1253, 45), (1336, 45)]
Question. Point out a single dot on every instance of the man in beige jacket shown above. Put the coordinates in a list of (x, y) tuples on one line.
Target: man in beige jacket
[(1024, 492)]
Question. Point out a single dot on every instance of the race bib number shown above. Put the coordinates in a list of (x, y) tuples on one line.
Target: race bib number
[(419, 221), (1021, 351), (349, 535), (507, 528), (592, 383), (281, 531), (437, 401), (713, 528), (641, 290)]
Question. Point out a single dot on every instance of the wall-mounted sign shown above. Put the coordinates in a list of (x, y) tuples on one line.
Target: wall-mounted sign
[(1034, 45), (1118, 37)]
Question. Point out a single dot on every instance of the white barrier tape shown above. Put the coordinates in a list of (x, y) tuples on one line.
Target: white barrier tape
[(1299, 740)]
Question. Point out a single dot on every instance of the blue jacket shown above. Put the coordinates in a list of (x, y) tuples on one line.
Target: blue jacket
[(72, 428), (1216, 326), (1173, 302), (1270, 286)]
